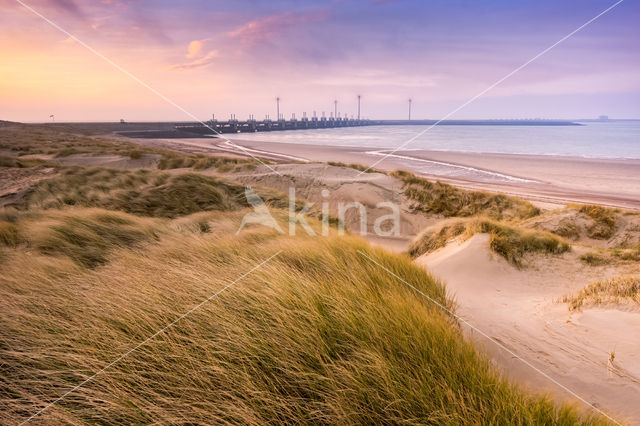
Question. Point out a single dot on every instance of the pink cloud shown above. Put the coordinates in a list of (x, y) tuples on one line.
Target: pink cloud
[(197, 63), (195, 48), (265, 28)]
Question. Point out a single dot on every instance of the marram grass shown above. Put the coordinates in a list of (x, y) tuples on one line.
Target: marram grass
[(319, 335)]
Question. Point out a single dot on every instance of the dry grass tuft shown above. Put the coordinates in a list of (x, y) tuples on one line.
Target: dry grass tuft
[(440, 198), (618, 290), (358, 167), (514, 243), (142, 192), (604, 221), (86, 236), (510, 242), (433, 239), (631, 254), (568, 228), (595, 259), (9, 235), (20, 163)]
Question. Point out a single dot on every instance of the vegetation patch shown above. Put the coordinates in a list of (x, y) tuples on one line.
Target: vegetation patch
[(631, 254), (568, 228), (514, 243), (174, 160), (290, 343), (142, 192), (432, 240), (20, 163), (9, 235), (595, 259), (86, 236), (62, 141), (618, 290), (510, 242), (440, 198), (358, 167), (604, 222)]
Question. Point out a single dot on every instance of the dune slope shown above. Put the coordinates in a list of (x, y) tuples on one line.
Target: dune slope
[(317, 335)]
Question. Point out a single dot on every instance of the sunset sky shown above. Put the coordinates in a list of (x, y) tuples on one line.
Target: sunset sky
[(236, 56)]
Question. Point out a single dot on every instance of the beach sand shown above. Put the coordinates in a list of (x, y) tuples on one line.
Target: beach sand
[(519, 309), (548, 179)]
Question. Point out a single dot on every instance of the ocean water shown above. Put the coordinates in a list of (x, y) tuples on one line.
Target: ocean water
[(614, 139)]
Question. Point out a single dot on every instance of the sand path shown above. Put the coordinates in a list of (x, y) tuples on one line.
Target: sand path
[(518, 308)]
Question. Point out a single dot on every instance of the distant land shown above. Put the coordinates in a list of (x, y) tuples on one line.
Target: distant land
[(194, 129)]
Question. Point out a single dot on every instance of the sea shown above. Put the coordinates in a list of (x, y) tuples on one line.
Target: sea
[(601, 139), (610, 139)]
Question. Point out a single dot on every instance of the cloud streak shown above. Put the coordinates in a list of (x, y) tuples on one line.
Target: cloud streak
[(265, 29), (203, 61)]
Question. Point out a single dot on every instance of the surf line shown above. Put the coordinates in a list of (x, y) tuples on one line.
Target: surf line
[(234, 146), (457, 166)]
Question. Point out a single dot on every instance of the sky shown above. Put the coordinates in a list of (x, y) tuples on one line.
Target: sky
[(236, 57)]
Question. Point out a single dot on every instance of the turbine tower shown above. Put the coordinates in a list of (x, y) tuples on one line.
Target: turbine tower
[(335, 109), (278, 108), (358, 107), (409, 109)]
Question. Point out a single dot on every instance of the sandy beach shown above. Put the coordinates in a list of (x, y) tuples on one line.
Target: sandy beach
[(554, 179), (545, 179)]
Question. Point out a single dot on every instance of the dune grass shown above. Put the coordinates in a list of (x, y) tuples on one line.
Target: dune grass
[(617, 290), (317, 335), (514, 243), (595, 259), (86, 236), (20, 163), (631, 254), (509, 241), (9, 234), (604, 222), (440, 198), (355, 166), (568, 228), (433, 239), (64, 140), (142, 192)]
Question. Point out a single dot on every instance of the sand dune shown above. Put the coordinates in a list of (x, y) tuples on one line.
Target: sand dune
[(343, 186), (519, 308)]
